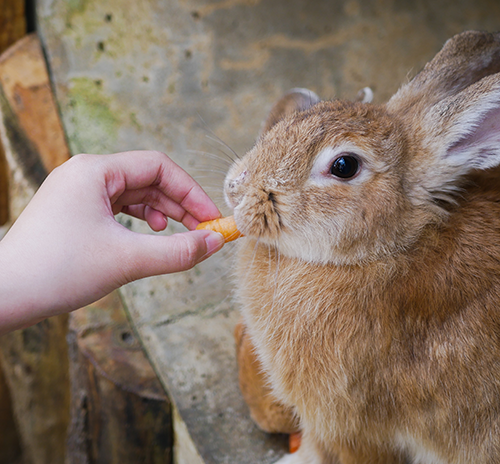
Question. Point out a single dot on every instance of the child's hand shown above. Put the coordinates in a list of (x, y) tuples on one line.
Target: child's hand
[(67, 250)]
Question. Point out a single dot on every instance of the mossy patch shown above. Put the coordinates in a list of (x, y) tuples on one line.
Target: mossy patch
[(74, 8), (94, 124)]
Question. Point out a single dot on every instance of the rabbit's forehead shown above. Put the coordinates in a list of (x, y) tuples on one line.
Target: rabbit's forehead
[(286, 154), (298, 146)]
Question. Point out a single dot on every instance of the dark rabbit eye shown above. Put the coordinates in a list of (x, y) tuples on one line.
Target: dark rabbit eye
[(345, 166)]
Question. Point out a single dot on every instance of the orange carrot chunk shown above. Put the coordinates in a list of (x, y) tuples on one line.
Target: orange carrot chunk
[(294, 441), (226, 226)]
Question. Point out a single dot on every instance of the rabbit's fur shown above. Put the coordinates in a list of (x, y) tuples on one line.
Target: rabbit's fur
[(373, 301)]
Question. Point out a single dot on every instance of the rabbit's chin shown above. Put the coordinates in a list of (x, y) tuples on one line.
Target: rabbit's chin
[(324, 251)]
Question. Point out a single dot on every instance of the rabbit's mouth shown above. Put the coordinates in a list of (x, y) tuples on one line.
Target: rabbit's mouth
[(257, 215)]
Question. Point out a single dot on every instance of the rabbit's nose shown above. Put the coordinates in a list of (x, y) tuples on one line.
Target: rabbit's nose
[(233, 189), (236, 182)]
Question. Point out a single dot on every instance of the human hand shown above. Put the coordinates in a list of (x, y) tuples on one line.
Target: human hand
[(67, 250)]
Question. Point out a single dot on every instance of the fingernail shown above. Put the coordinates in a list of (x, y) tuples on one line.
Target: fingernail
[(214, 242)]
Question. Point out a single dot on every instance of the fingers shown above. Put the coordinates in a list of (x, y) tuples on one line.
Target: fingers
[(137, 202), (156, 220), (131, 171), (150, 255)]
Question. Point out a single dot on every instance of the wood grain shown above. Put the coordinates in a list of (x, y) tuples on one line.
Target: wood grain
[(35, 360), (119, 411), (12, 28), (25, 82)]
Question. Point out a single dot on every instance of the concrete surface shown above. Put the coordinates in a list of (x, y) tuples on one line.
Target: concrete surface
[(165, 75)]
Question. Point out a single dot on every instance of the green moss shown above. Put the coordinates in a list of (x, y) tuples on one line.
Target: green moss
[(74, 8), (135, 122), (95, 125), (82, 19)]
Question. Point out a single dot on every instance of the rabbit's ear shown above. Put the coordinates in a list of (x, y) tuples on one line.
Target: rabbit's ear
[(459, 134), (464, 130), (464, 59), (292, 101), (452, 111)]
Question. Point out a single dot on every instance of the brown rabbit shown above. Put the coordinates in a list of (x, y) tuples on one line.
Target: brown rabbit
[(369, 274)]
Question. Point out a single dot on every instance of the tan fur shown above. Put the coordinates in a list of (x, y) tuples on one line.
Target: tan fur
[(270, 415), (373, 302)]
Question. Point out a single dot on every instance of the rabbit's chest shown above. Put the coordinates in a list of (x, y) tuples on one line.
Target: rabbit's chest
[(308, 335)]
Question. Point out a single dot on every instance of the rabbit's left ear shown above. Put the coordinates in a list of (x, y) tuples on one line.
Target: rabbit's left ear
[(295, 100), (463, 130)]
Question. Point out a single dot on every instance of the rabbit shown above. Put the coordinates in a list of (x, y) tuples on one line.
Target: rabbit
[(368, 276), (267, 412)]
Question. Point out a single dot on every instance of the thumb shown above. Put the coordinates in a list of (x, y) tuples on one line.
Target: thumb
[(156, 254)]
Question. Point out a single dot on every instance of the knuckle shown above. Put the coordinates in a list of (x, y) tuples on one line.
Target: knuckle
[(152, 197), (80, 160), (77, 164), (188, 252)]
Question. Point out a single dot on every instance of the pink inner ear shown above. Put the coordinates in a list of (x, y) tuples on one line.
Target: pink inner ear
[(481, 145)]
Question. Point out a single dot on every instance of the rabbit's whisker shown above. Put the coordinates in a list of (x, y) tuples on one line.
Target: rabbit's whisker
[(216, 139), (215, 171), (254, 253), (276, 275), (207, 154)]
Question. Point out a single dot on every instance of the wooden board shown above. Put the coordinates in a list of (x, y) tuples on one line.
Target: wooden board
[(12, 28), (10, 447), (32, 134), (26, 86), (35, 359), (119, 411)]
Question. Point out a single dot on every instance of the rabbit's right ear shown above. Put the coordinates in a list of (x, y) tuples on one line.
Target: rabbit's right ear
[(463, 131), (459, 134), (294, 100), (464, 59), (452, 111)]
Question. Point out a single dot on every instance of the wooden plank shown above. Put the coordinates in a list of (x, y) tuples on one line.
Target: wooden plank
[(34, 359), (119, 411), (36, 367), (12, 28), (12, 22), (10, 448), (32, 133), (26, 85)]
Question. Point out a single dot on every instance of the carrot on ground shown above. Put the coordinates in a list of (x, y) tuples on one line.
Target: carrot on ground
[(226, 226)]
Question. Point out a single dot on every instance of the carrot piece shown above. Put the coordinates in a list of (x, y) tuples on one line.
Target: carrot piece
[(226, 226), (294, 441)]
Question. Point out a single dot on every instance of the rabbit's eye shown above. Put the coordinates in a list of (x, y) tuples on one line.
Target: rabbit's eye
[(345, 166)]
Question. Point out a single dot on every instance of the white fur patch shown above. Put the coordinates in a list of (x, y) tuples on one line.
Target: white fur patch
[(419, 454)]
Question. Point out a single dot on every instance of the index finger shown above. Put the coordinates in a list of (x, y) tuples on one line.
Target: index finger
[(138, 169)]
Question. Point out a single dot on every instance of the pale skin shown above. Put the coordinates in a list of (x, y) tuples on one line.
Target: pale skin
[(67, 250)]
